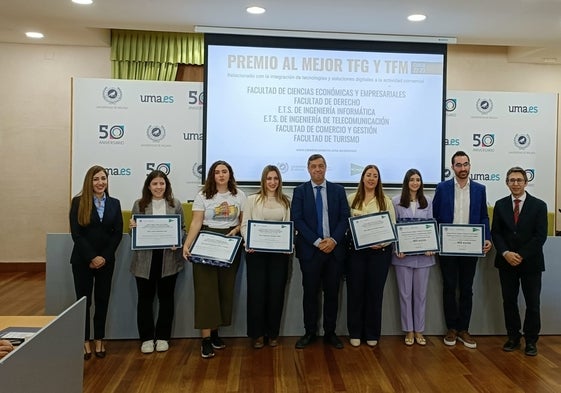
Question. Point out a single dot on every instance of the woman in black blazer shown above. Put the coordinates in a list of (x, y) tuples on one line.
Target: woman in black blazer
[(96, 224)]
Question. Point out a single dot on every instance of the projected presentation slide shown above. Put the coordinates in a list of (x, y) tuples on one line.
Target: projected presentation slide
[(279, 105)]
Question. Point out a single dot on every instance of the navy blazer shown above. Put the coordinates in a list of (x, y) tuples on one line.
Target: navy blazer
[(526, 238), (100, 237), (303, 214), (443, 204)]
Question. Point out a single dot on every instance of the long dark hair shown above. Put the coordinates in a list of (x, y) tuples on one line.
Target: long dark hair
[(405, 199), (378, 191), (147, 194), (209, 189)]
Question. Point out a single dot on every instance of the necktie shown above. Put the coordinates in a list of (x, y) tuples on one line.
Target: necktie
[(319, 210), (516, 210)]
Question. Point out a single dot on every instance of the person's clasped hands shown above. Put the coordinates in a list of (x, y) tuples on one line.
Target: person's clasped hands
[(5, 348)]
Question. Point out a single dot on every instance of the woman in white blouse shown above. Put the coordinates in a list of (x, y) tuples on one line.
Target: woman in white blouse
[(267, 272)]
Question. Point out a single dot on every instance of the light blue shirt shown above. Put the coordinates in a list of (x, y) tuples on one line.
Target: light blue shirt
[(100, 205)]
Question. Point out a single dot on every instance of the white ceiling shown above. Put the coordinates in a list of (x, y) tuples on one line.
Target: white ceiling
[(533, 25)]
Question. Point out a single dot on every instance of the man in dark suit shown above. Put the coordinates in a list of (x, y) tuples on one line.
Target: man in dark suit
[(320, 214), (519, 233), (460, 201)]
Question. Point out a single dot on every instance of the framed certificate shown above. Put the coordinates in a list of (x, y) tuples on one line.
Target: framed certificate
[(215, 249), (416, 237), (462, 240), (155, 231), (270, 236), (371, 229)]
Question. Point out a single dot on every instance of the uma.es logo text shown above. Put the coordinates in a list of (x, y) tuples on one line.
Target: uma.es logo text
[(523, 109)]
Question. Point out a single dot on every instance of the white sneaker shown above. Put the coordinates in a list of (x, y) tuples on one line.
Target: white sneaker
[(162, 345), (372, 343), (147, 346), (355, 342)]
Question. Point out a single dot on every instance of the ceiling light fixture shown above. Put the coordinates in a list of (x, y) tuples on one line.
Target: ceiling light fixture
[(34, 34), (255, 10), (416, 18), (84, 2)]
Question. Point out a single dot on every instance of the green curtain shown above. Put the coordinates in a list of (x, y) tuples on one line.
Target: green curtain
[(150, 55)]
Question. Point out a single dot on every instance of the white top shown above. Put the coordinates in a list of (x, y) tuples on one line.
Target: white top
[(265, 210), (222, 210), (461, 203), (159, 207), (371, 207)]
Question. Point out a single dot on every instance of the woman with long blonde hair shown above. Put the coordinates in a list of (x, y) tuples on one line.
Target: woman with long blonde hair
[(267, 272)]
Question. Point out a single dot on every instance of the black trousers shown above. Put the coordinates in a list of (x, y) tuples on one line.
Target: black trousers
[(322, 271), (531, 283), (367, 271), (147, 289), (457, 276), (87, 280), (267, 274)]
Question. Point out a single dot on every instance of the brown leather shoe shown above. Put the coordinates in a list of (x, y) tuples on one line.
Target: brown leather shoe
[(258, 343), (451, 336), (465, 338)]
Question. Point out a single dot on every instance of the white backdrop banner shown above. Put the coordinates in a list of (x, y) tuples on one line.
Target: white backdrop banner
[(499, 130), (132, 127)]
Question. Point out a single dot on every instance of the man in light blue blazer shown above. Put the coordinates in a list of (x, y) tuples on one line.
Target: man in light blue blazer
[(460, 201), (320, 213)]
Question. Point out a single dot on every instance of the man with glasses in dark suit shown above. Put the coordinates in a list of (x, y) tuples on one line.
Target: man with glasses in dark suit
[(519, 232)]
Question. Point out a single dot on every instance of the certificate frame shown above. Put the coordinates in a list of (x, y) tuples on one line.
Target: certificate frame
[(450, 240), (171, 236), (362, 227), (259, 241), (222, 256), (429, 243)]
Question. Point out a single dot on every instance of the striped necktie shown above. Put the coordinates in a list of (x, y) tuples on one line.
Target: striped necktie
[(516, 210)]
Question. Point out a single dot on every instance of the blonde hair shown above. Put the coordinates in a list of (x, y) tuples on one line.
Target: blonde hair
[(279, 195)]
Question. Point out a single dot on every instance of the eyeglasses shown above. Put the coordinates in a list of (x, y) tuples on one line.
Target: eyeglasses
[(459, 164), (514, 181)]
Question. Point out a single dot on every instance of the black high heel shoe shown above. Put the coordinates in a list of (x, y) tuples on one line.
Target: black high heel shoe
[(99, 354), (87, 352)]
